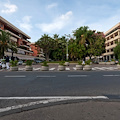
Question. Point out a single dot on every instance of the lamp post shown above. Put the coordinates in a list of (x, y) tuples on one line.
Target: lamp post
[(67, 54)]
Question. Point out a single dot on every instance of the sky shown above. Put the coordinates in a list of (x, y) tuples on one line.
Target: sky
[(39, 17)]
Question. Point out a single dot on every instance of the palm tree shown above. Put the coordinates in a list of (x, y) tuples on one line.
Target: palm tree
[(4, 40), (47, 44), (13, 47)]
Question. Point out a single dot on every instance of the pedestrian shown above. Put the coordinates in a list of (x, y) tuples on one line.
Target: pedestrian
[(12, 58), (83, 62), (0, 65), (7, 62)]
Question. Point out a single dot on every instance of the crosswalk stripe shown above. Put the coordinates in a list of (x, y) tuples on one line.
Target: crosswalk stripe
[(67, 68), (52, 69), (74, 68)]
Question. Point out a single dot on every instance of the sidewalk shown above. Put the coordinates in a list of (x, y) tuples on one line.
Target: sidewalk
[(87, 110)]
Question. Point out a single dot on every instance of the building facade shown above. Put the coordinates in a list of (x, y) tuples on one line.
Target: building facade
[(17, 36), (112, 37), (37, 52)]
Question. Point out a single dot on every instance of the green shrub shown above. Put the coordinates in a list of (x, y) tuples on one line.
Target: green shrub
[(88, 62), (13, 63), (44, 63), (119, 61), (61, 63), (112, 60), (3, 61), (29, 62), (79, 62)]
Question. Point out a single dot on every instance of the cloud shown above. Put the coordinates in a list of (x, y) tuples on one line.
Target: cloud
[(9, 8), (105, 24), (57, 24), (25, 24), (52, 5)]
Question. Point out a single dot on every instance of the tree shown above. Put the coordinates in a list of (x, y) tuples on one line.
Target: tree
[(90, 43), (83, 36), (13, 47), (47, 44), (96, 44), (4, 40), (117, 51), (59, 51)]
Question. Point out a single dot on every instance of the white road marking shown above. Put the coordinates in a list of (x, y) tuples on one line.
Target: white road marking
[(104, 68), (52, 69), (15, 76), (36, 69), (111, 75), (45, 76), (49, 100), (74, 68), (77, 75), (54, 97), (67, 68)]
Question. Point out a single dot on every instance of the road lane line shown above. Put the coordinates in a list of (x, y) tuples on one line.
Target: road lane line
[(111, 75), (77, 75), (13, 76), (46, 76), (54, 97)]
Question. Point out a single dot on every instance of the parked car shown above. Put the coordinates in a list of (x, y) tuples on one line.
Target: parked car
[(38, 61), (20, 62)]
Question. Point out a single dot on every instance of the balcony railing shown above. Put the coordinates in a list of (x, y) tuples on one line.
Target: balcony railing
[(12, 33)]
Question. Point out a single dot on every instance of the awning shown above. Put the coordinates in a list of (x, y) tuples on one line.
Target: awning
[(25, 58)]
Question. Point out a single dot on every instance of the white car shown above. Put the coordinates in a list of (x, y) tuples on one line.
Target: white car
[(20, 62)]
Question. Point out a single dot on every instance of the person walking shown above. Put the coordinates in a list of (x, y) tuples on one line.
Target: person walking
[(7, 62), (0, 65)]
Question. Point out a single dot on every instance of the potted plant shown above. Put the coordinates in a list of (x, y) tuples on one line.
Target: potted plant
[(28, 66), (61, 66), (67, 63), (79, 66), (87, 65), (13, 65), (118, 65), (45, 66)]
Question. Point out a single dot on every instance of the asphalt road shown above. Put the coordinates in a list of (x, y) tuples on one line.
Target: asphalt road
[(27, 84), (46, 84)]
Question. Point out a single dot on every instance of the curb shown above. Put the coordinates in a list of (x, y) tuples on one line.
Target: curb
[(45, 103)]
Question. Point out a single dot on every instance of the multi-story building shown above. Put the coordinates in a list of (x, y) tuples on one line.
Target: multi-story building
[(17, 36), (112, 38), (37, 52)]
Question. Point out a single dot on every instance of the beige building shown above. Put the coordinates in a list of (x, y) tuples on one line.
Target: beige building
[(112, 38)]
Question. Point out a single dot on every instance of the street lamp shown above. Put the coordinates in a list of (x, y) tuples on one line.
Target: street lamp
[(67, 54)]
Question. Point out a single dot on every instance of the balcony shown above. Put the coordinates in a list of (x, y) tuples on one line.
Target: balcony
[(108, 53), (26, 46), (13, 39), (25, 50), (111, 46), (12, 34)]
